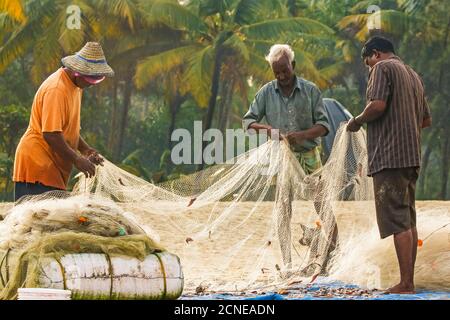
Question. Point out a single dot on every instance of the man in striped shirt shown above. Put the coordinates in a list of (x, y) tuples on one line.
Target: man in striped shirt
[(396, 112)]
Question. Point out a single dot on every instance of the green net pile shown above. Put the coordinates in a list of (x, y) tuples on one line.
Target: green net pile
[(52, 228)]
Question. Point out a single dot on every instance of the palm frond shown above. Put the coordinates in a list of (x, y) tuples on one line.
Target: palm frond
[(333, 71), (362, 6), (7, 25), (238, 46), (199, 75), (259, 68), (176, 16), (412, 6), (349, 50), (124, 9), (24, 37), (47, 55), (14, 9), (389, 21), (295, 6), (305, 65), (252, 11), (71, 40), (211, 7), (277, 28), (356, 20), (162, 63)]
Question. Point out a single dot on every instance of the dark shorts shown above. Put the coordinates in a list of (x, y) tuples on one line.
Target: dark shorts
[(30, 189), (395, 194)]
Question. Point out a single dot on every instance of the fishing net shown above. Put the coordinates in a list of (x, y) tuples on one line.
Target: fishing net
[(255, 223)]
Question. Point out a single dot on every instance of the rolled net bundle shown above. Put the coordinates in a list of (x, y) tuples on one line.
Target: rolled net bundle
[(56, 224)]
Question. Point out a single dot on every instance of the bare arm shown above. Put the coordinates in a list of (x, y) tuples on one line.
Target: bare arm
[(57, 143), (83, 147), (314, 132), (89, 152), (258, 126), (271, 132), (373, 111)]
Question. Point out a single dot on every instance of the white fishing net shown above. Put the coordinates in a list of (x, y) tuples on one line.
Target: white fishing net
[(259, 222), (255, 222)]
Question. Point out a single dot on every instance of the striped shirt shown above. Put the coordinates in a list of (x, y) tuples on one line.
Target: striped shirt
[(393, 140)]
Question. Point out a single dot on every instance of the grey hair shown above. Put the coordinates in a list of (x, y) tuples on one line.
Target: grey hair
[(277, 51)]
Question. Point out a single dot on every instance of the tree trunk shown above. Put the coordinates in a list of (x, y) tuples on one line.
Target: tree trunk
[(213, 98), (222, 106), (175, 105), (441, 73), (124, 119), (227, 106), (214, 91), (113, 124), (362, 82), (423, 171), (445, 165)]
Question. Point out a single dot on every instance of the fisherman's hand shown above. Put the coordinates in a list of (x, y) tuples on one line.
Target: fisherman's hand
[(94, 156), (84, 165), (296, 138), (353, 126), (274, 134)]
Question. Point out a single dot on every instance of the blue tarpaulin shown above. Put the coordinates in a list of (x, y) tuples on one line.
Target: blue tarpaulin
[(310, 292), (337, 114)]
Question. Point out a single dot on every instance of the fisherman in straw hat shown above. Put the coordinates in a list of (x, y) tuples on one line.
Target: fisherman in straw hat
[(52, 143)]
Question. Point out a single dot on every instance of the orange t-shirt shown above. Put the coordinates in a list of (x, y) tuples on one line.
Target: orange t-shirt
[(56, 108)]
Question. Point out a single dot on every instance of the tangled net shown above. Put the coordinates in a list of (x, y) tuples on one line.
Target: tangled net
[(208, 218)]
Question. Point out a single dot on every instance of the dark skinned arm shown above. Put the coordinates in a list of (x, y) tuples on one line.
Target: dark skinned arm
[(57, 143), (299, 137), (373, 111), (270, 131), (89, 152), (83, 147)]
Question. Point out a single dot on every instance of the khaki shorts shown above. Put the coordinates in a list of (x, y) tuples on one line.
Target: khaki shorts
[(395, 193)]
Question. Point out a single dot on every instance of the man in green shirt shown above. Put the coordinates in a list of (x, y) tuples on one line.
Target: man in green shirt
[(293, 107)]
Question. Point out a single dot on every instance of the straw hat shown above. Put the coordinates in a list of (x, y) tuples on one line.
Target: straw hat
[(89, 61)]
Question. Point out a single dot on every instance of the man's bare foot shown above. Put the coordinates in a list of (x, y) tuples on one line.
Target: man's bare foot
[(401, 289)]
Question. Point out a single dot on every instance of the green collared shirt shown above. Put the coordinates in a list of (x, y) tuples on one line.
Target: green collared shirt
[(300, 111)]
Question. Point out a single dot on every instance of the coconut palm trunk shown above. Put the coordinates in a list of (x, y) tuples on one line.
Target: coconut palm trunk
[(175, 105), (213, 98), (128, 90)]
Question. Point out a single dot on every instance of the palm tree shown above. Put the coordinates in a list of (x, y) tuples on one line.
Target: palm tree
[(220, 33)]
